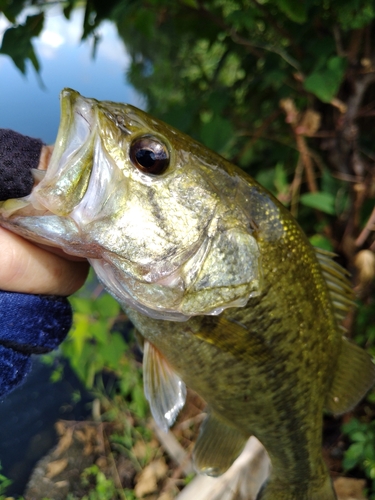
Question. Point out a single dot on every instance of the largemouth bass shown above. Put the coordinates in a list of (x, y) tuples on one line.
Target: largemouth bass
[(222, 284)]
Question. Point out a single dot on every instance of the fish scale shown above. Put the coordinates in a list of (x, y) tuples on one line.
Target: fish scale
[(224, 288)]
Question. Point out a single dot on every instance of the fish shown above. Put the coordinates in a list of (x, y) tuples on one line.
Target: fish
[(226, 292)]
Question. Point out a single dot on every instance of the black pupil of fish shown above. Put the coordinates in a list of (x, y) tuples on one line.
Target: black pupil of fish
[(149, 156)]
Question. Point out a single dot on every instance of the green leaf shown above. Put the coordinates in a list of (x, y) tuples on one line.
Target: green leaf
[(281, 179), (217, 133), (358, 436), (144, 21), (353, 455), (320, 241), (111, 353), (11, 9), (352, 426), (17, 42), (325, 83), (295, 10), (355, 14), (82, 305), (107, 306), (190, 3), (325, 202)]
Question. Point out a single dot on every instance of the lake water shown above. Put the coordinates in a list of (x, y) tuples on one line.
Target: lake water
[(27, 416), (66, 62)]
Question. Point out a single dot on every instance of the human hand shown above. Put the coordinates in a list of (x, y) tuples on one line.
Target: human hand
[(28, 268)]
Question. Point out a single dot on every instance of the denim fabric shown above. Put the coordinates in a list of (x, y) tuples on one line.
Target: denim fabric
[(14, 366), (29, 324)]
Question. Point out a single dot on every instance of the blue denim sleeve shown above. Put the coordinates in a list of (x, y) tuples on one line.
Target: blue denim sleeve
[(29, 324)]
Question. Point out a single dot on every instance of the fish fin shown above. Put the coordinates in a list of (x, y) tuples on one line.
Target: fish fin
[(339, 286), (217, 447), (164, 389), (353, 377), (275, 489)]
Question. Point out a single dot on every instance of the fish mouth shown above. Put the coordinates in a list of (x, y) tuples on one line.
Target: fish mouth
[(67, 176), (76, 122), (43, 215)]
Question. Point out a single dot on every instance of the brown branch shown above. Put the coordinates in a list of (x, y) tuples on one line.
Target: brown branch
[(355, 45), (338, 41), (369, 227), (308, 164), (174, 449), (360, 87), (258, 133), (295, 187), (344, 150)]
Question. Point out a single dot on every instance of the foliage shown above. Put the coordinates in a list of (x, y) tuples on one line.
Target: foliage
[(99, 344), (362, 450), (4, 483), (105, 489)]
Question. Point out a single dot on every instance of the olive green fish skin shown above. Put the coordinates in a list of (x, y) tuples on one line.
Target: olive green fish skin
[(212, 270), (272, 382)]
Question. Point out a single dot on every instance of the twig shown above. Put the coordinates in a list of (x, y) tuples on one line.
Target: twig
[(306, 159), (338, 41), (174, 449), (109, 454), (295, 188), (369, 227), (355, 44)]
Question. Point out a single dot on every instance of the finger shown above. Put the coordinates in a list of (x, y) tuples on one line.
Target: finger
[(60, 252), (27, 268), (45, 157)]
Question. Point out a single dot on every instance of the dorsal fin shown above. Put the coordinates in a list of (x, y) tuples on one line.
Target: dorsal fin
[(164, 389), (339, 287)]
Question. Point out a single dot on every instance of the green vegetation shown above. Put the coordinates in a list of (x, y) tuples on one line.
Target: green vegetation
[(362, 450), (284, 89), (4, 483)]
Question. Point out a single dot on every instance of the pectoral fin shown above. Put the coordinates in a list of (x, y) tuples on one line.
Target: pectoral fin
[(217, 447), (164, 389), (354, 376)]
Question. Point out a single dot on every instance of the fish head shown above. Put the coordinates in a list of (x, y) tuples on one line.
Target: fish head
[(154, 211)]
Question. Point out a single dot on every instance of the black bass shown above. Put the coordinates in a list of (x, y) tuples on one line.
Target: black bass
[(223, 286)]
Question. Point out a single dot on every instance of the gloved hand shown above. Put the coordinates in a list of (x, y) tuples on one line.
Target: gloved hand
[(29, 323)]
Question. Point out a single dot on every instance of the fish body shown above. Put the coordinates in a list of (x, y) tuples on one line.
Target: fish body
[(221, 283)]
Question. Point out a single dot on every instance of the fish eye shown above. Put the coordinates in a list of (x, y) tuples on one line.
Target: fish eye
[(149, 155)]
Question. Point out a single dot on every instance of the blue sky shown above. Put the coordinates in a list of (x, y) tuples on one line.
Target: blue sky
[(66, 62)]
